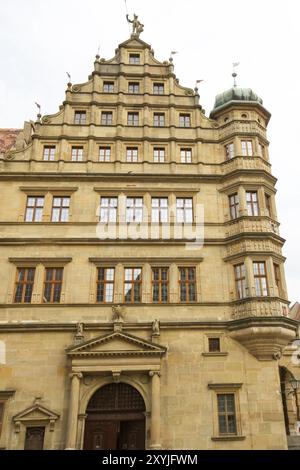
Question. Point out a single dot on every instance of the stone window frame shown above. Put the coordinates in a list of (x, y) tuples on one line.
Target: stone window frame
[(108, 83), (113, 282), (134, 58), (136, 86), (159, 84), (106, 113), (80, 117), (226, 388), (50, 146), (185, 115), (223, 344)]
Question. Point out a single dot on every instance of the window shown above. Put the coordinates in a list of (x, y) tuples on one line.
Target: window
[(133, 285), (132, 154), (133, 87), (49, 153), (158, 89), (268, 205), (80, 117), (229, 151), (60, 209), (77, 154), (187, 284), (34, 438), (104, 154), (262, 151), (240, 280), (34, 209), (278, 279), (108, 209), (53, 285), (260, 278), (134, 58), (133, 119), (159, 119), (184, 210), (186, 155), (134, 209), (234, 205), (184, 120), (106, 118), (105, 285), (226, 413), (159, 212), (159, 155), (252, 203), (24, 285), (108, 87), (160, 285), (247, 150), (214, 345)]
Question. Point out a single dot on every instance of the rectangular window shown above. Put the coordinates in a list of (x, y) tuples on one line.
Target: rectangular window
[(268, 205), (160, 285), (260, 278), (108, 87), (77, 154), (106, 118), (159, 119), (133, 87), (184, 120), (134, 58), (104, 154), (108, 209), (186, 155), (34, 438), (60, 209), (133, 119), (24, 285), (133, 285), (159, 210), (49, 153), (240, 280), (234, 205), (278, 279), (252, 203), (226, 413), (214, 345), (159, 155), (80, 117), (134, 209), (229, 151), (184, 210), (187, 284), (158, 89), (34, 209), (132, 154), (53, 285), (247, 150), (105, 285)]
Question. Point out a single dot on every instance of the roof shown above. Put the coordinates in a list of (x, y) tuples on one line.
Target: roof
[(294, 312), (236, 94), (8, 139)]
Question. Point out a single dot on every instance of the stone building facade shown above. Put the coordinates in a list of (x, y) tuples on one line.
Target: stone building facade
[(142, 288)]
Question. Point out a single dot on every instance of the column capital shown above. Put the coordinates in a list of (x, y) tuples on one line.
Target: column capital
[(152, 373), (78, 375)]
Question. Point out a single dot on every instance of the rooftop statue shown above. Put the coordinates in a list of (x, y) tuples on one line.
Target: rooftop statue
[(137, 26)]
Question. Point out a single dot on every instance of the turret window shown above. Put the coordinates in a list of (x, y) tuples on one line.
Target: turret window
[(262, 151), (260, 278), (247, 148), (229, 151), (268, 205), (240, 280), (80, 117), (158, 89), (133, 87), (278, 279), (252, 203), (234, 205)]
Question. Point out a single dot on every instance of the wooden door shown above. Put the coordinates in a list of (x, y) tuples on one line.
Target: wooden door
[(34, 439), (132, 435), (101, 435)]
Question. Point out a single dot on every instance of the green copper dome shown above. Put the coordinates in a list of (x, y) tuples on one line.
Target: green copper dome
[(236, 94)]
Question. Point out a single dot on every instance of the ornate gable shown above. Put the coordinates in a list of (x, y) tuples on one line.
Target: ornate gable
[(116, 344)]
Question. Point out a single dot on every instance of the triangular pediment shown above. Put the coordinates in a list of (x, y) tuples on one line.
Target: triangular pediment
[(135, 42), (117, 344), (36, 412)]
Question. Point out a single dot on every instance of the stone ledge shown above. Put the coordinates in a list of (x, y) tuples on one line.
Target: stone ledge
[(214, 354), (228, 438)]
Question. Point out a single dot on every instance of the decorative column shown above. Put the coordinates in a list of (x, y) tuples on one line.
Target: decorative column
[(73, 410), (155, 410)]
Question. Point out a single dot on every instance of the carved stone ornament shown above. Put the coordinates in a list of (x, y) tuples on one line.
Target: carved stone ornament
[(36, 413)]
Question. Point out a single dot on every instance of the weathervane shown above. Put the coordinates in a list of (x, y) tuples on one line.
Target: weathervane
[(137, 26), (234, 74)]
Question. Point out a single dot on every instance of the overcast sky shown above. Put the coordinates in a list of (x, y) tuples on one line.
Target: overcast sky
[(42, 40)]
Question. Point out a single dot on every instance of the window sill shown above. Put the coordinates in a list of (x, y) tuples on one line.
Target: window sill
[(228, 438), (207, 354)]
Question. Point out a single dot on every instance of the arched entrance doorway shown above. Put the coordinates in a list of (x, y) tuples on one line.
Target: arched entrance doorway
[(115, 419)]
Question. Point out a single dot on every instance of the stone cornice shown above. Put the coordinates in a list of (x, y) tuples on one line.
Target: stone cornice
[(41, 260)]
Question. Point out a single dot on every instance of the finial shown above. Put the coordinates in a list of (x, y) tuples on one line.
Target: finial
[(196, 88), (137, 26), (98, 53), (234, 74)]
